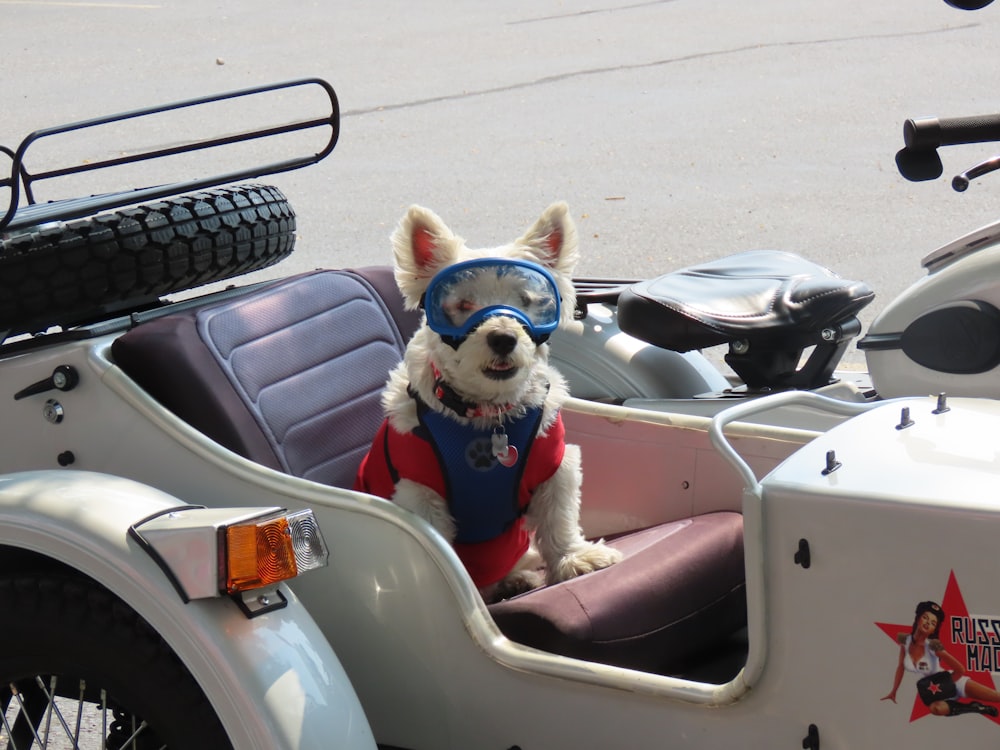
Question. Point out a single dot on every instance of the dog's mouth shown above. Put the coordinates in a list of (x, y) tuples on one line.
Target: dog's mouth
[(500, 370)]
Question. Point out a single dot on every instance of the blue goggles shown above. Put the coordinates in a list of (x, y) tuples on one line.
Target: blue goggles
[(462, 296)]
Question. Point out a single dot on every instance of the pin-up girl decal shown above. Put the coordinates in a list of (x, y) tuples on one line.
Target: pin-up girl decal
[(943, 685)]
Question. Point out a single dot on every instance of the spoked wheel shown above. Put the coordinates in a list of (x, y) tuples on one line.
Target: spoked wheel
[(81, 669), (40, 710)]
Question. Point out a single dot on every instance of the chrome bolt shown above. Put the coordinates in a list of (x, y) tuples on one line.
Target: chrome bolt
[(53, 411)]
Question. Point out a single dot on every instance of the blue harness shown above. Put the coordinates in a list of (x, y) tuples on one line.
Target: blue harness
[(482, 492)]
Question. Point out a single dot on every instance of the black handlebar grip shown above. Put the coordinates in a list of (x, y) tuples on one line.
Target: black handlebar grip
[(931, 132)]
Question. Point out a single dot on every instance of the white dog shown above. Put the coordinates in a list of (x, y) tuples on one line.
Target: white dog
[(473, 439)]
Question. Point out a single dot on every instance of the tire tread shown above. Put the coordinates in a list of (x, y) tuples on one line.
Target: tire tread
[(104, 265)]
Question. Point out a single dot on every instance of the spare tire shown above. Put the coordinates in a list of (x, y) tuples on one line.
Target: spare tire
[(81, 271)]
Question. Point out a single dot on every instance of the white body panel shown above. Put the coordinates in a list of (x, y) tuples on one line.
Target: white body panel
[(599, 361), (432, 670), (881, 542), (273, 680), (971, 275)]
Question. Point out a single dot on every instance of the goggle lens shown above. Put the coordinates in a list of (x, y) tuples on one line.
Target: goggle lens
[(461, 296)]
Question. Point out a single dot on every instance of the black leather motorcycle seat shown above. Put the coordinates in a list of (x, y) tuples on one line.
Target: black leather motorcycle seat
[(759, 294)]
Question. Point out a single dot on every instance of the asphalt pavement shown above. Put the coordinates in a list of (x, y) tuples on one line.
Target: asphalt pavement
[(677, 130)]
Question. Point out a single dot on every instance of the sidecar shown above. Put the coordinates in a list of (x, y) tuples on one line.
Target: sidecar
[(775, 550)]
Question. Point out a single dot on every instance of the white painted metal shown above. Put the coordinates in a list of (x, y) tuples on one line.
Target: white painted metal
[(974, 278), (425, 658), (909, 511), (600, 362), (420, 648), (272, 680)]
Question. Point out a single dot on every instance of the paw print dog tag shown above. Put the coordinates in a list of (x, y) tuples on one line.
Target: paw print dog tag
[(504, 453)]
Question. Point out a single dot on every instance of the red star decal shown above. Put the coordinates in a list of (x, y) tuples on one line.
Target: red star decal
[(954, 606)]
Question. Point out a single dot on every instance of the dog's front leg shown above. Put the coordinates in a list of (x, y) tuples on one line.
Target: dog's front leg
[(427, 504), (554, 515)]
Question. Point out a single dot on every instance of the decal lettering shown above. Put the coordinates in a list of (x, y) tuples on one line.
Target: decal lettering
[(982, 658), (980, 635)]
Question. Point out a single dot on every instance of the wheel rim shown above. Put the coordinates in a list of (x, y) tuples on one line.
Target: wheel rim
[(61, 713)]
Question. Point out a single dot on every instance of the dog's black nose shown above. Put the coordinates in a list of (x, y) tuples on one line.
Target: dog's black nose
[(501, 343)]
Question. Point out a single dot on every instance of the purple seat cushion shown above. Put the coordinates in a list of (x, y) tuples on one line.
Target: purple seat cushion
[(679, 591)]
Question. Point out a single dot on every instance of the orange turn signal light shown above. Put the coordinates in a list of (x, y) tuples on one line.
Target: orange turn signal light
[(263, 551)]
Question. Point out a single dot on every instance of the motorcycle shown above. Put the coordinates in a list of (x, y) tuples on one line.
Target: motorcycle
[(181, 478), (786, 322)]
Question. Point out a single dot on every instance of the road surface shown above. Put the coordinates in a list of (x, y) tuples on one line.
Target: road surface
[(677, 130)]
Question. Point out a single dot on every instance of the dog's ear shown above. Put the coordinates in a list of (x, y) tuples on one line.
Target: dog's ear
[(552, 239), (422, 245)]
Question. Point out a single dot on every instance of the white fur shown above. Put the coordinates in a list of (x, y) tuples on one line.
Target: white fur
[(423, 245)]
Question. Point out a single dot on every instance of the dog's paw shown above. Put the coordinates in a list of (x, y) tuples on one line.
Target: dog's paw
[(586, 559), (515, 583)]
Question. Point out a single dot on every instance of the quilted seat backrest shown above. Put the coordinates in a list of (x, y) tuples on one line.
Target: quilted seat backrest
[(289, 375)]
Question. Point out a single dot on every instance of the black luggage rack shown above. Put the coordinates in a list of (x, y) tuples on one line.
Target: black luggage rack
[(21, 215)]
